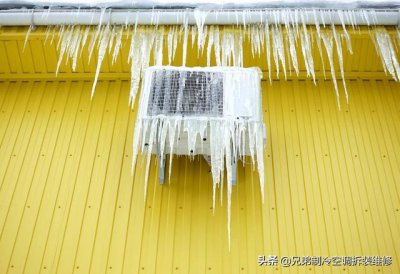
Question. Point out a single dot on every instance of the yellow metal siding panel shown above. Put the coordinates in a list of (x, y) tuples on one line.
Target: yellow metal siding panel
[(69, 202)]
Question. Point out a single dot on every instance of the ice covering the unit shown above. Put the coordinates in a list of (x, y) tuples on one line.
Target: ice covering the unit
[(203, 4)]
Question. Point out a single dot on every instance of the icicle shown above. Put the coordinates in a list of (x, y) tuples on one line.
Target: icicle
[(171, 43), (159, 46), (27, 36), (193, 31), (185, 38), (292, 48), (317, 27), (268, 50), (278, 49), (175, 44), (65, 41), (200, 17), (340, 57), (139, 56), (384, 47), (217, 46), (210, 44), (75, 47), (327, 38), (102, 50), (47, 34), (153, 132), (111, 39), (53, 34), (307, 50), (117, 45), (232, 41), (96, 35)]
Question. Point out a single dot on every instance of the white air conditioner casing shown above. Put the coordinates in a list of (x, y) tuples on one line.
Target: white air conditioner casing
[(236, 93)]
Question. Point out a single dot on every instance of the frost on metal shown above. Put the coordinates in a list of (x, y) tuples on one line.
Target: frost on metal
[(202, 111)]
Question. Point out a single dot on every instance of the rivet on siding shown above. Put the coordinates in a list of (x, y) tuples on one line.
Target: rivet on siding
[(273, 208), (334, 208)]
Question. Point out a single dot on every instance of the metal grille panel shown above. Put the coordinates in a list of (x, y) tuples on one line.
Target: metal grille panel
[(187, 93)]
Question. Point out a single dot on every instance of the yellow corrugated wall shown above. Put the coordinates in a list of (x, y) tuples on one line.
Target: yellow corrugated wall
[(68, 201)]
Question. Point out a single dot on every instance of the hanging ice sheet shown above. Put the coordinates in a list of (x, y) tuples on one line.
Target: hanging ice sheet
[(214, 111)]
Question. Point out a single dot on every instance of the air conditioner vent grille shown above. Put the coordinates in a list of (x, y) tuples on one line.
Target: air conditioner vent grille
[(186, 93)]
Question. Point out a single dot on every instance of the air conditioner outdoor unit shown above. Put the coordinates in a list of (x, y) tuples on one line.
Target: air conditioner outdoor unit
[(213, 111)]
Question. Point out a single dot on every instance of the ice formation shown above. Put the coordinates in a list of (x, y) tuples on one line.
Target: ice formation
[(386, 51), (278, 38), (182, 108), (280, 33)]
